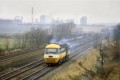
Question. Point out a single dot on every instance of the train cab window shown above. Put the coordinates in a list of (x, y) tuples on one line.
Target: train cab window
[(62, 50), (51, 50)]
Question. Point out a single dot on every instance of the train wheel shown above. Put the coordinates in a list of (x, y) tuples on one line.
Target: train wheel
[(48, 64), (60, 61), (67, 57), (64, 59)]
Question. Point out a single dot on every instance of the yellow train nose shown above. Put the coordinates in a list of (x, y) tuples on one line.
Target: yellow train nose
[(51, 60)]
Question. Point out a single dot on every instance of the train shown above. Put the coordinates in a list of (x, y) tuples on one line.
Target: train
[(56, 53)]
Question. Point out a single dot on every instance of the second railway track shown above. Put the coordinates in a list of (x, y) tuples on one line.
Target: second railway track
[(21, 70)]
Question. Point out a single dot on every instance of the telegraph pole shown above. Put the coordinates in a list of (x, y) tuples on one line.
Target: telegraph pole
[(32, 14)]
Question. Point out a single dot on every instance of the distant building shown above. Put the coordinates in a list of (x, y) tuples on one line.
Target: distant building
[(56, 22), (83, 20), (69, 20), (18, 19), (36, 21), (42, 19), (6, 21)]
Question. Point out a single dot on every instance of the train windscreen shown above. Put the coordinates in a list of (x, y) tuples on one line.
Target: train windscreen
[(51, 50)]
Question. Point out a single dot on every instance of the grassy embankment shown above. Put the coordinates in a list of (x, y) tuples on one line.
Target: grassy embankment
[(111, 67), (89, 67), (75, 71)]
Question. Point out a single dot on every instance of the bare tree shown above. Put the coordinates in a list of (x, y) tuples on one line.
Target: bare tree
[(7, 43), (116, 47), (37, 37), (24, 40), (32, 39), (63, 30), (17, 41)]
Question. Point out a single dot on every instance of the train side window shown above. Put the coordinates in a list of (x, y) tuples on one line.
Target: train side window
[(59, 51), (62, 50)]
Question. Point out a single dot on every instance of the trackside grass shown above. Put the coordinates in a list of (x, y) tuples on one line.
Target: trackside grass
[(89, 67), (75, 71)]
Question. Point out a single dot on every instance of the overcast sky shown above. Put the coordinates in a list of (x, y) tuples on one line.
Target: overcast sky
[(97, 11)]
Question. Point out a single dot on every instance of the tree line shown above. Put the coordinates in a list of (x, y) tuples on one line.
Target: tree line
[(63, 30), (36, 37)]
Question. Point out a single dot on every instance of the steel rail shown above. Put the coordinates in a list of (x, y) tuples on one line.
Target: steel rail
[(21, 70)]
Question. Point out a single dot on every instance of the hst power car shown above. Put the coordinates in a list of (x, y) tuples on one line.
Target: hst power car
[(56, 53)]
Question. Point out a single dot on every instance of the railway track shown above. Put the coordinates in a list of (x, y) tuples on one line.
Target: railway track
[(38, 73), (19, 56), (42, 71), (10, 63), (13, 62), (3, 57), (21, 70), (45, 70)]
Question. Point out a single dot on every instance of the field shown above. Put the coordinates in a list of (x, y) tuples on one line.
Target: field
[(3, 43)]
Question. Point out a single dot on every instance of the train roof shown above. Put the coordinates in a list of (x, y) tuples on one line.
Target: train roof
[(54, 45)]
